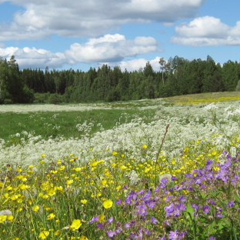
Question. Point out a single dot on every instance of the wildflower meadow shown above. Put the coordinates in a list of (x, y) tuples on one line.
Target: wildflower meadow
[(168, 171)]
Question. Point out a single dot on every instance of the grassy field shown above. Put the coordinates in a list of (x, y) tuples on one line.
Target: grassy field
[(204, 98), (152, 169), (50, 123), (53, 124)]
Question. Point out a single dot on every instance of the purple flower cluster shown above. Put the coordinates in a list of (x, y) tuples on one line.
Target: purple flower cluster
[(140, 208), (177, 235), (178, 210)]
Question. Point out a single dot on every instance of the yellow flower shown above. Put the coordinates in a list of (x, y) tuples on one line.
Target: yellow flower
[(76, 224), (19, 209), (102, 219), (72, 160), (15, 197), (145, 147), (104, 183), (62, 168), (10, 218), (52, 192), (44, 235), (108, 204), (3, 219), (78, 169), (9, 188), (69, 182), (51, 216), (115, 154), (60, 189), (123, 168), (24, 187), (31, 167), (36, 209), (83, 238), (84, 201)]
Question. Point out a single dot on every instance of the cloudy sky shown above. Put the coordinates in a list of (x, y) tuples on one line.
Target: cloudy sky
[(81, 34)]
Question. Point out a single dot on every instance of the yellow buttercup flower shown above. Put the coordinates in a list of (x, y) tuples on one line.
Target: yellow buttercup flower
[(24, 187), (36, 209), (69, 182), (84, 201), (51, 216), (76, 224), (3, 219), (44, 235), (10, 218), (108, 204), (123, 168), (115, 154), (145, 147)]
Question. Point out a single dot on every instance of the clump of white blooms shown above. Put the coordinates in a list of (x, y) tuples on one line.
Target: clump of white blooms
[(218, 122), (85, 127), (133, 177)]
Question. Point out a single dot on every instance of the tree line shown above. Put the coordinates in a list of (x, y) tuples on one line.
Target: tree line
[(177, 76)]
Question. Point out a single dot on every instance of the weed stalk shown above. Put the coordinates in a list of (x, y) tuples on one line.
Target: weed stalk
[(159, 151)]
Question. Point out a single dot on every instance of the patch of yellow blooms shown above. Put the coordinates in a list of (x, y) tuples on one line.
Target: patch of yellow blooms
[(70, 193)]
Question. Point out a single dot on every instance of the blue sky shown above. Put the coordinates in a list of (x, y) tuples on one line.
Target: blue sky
[(127, 33)]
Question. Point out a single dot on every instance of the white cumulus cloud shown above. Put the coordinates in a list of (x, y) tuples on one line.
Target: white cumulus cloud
[(39, 19), (207, 31), (111, 48), (108, 48), (34, 58)]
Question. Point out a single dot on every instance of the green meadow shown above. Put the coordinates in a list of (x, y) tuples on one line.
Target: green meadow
[(53, 124), (149, 169)]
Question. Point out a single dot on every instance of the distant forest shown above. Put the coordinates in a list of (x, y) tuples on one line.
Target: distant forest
[(177, 76)]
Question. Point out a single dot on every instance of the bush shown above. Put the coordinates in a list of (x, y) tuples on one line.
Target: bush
[(28, 95), (41, 97), (56, 98)]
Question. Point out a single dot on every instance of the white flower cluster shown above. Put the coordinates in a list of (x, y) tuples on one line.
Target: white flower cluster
[(186, 124), (85, 127), (50, 107)]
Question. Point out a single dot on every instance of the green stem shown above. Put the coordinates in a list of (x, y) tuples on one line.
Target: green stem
[(159, 151)]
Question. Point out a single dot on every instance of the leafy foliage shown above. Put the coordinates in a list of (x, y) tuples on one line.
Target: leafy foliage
[(177, 76), (12, 87)]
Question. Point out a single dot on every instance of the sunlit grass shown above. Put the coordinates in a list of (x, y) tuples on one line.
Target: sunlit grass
[(204, 98)]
